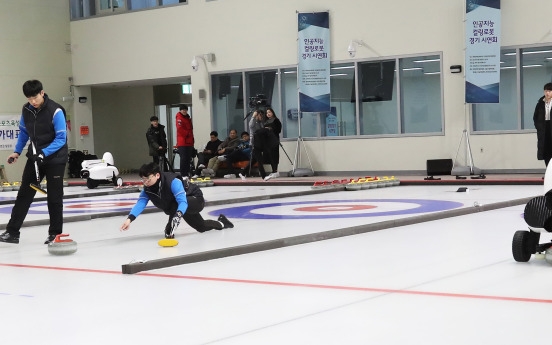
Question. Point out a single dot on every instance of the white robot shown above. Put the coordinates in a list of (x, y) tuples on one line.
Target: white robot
[(538, 216), (100, 171)]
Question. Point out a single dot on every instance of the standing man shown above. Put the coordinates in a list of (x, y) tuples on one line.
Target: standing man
[(541, 119), (184, 139), (157, 142), (43, 124)]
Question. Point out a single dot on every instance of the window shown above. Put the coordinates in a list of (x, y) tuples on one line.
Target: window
[(536, 71), (379, 113), (89, 8), (290, 111), (228, 105), (82, 8), (106, 6), (523, 73), (343, 113), (385, 103), (420, 85), (140, 4)]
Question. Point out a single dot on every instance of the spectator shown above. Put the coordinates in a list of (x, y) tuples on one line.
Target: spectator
[(227, 146), (157, 142), (242, 153), (208, 152), (184, 139), (541, 119)]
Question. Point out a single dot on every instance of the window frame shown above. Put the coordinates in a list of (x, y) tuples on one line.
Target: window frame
[(281, 108)]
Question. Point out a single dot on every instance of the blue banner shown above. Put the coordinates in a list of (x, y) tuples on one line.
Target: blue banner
[(482, 51), (313, 67)]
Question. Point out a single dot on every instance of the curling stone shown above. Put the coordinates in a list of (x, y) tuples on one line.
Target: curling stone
[(548, 255), (6, 186), (62, 247), (365, 182), (318, 184), (200, 182), (208, 182), (65, 183), (353, 185), (16, 185)]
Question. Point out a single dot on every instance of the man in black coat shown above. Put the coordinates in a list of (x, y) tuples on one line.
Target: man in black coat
[(541, 119), (157, 141)]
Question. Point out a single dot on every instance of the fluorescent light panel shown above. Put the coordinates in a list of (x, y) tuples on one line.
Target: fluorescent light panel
[(527, 53), (429, 60)]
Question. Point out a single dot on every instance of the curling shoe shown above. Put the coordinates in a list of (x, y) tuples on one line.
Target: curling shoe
[(227, 224), (9, 238), (271, 176), (50, 239)]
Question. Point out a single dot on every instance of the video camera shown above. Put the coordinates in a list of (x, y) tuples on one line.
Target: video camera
[(258, 101)]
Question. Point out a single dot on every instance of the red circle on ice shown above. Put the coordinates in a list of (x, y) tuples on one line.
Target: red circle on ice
[(334, 208)]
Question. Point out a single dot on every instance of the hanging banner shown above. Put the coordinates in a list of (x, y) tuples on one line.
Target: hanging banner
[(313, 67), (482, 51), (9, 131)]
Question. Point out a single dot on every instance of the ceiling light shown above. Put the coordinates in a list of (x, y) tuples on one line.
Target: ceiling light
[(428, 60)]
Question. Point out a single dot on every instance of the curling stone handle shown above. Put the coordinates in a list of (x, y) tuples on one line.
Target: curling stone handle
[(58, 238)]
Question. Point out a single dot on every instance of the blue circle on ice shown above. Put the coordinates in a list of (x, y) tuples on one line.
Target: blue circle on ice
[(419, 206)]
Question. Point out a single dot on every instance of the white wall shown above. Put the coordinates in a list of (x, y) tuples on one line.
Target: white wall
[(121, 119), (249, 34), (33, 34)]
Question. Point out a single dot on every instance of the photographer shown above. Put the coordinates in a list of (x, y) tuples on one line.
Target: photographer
[(256, 123), (273, 128)]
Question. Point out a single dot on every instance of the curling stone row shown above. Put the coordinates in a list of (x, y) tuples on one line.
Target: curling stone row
[(7, 187), (372, 182), (331, 184)]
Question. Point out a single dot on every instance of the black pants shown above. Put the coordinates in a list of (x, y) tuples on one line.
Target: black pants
[(186, 153), (193, 216), (274, 158), (258, 156), (163, 163), (203, 158), (54, 179), (547, 142)]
